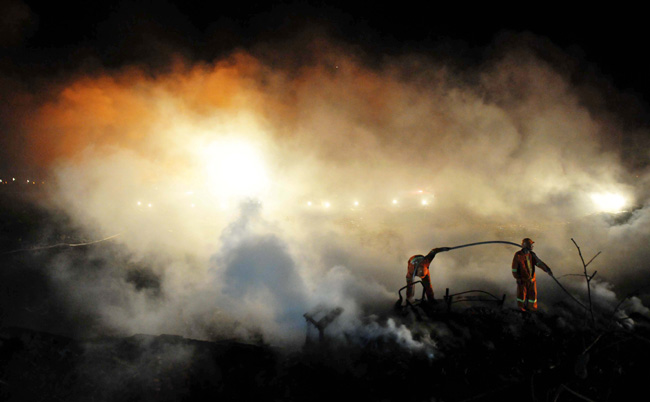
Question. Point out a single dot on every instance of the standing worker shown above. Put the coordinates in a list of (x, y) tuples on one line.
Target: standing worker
[(523, 269), (418, 265)]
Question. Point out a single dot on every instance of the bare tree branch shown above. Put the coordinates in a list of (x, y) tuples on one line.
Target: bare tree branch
[(588, 279), (593, 258), (579, 252), (593, 343)]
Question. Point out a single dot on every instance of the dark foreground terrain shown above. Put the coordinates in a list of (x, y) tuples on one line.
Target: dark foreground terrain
[(480, 355), (475, 353)]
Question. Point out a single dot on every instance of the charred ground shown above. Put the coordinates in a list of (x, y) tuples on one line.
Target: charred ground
[(480, 355)]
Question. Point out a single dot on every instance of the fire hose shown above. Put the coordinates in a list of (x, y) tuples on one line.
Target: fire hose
[(518, 245), (485, 242)]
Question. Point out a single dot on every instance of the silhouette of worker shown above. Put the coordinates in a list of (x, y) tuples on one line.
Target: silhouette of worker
[(523, 269), (418, 265)]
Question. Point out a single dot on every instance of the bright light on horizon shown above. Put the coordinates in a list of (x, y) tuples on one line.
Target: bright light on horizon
[(609, 202), (235, 168)]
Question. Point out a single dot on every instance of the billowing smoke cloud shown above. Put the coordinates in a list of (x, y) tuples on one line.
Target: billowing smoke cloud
[(247, 192)]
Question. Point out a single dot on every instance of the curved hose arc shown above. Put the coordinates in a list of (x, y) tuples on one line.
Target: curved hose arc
[(520, 246), (486, 242)]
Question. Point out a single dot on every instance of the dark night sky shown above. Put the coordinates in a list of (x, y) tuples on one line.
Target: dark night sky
[(611, 40)]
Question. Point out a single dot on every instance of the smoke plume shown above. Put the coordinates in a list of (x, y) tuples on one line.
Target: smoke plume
[(248, 190)]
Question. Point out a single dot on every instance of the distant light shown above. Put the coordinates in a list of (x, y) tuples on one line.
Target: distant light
[(139, 203), (424, 202), (27, 181), (193, 205), (420, 191), (149, 205), (309, 203), (609, 202), (356, 203), (394, 202), (189, 192), (326, 204), (235, 168), (13, 179)]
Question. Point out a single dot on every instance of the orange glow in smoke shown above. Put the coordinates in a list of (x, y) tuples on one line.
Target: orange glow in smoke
[(131, 110)]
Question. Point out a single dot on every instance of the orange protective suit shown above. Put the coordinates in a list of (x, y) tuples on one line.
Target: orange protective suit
[(418, 265), (523, 270)]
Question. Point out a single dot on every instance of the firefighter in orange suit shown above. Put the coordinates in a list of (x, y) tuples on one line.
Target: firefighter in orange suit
[(523, 269), (418, 265)]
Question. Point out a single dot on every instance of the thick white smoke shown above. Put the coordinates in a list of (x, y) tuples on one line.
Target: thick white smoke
[(249, 194)]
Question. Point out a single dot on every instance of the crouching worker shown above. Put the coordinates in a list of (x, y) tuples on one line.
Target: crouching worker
[(523, 269), (418, 265)]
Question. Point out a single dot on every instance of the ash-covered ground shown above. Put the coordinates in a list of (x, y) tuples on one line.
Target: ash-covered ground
[(50, 352)]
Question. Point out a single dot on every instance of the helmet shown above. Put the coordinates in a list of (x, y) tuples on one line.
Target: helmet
[(527, 240), (416, 259)]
